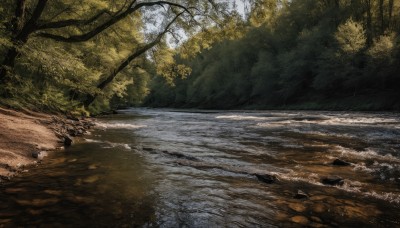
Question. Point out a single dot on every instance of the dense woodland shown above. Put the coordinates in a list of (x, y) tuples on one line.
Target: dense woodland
[(89, 56), (300, 54)]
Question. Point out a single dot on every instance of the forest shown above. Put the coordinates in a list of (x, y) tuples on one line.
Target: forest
[(96, 55), (300, 54)]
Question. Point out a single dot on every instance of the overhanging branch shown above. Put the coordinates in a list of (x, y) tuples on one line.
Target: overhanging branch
[(113, 20), (138, 52)]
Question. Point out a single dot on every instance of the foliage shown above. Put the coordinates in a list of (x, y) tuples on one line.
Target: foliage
[(61, 54), (305, 54)]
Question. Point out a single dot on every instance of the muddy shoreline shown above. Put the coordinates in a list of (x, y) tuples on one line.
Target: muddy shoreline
[(27, 137)]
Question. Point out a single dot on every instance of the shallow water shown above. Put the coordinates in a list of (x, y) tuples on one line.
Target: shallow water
[(169, 168)]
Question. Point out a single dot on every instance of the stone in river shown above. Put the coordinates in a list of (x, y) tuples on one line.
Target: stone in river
[(298, 207), (339, 162), (38, 202), (316, 219), (35, 154), (34, 212), (266, 178), (319, 208), (67, 141), (300, 220), (53, 192), (91, 179), (333, 180), (14, 190), (300, 195)]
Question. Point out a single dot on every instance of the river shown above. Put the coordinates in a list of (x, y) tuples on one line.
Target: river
[(171, 168)]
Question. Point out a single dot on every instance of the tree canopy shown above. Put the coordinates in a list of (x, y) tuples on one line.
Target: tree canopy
[(65, 53), (335, 54), (93, 55)]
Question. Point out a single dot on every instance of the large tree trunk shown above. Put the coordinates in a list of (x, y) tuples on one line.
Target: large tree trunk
[(381, 17), (369, 22), (16, 23), (391, 2), (21, 31)]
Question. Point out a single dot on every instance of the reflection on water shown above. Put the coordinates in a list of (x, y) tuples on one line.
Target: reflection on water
[(198, 169)]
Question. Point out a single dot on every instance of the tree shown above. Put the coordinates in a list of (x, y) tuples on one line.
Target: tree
[(68, 22)]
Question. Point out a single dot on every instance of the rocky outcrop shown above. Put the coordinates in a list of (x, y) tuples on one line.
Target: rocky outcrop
[(300, 195), (333, 180), (67, 128), (339, 162), (266, 178)]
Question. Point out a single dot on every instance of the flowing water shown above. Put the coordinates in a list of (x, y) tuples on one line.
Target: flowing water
[(168, 168)]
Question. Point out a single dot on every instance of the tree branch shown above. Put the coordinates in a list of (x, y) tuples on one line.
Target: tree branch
[(138, 52), (71, 22), (90, 34), (30, 26)]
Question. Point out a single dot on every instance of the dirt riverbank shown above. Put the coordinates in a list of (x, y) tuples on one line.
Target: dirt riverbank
[(27, 137)]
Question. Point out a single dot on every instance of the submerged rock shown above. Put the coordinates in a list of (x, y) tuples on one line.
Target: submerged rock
[(38, 202), (180, 156), (334, 180), (91, 179), (300, 195), (319, 208), (266, 178), (15, 190), (339, 162), (298, 207), (316, 219), (67, 141), (35, 154), (300, 220)]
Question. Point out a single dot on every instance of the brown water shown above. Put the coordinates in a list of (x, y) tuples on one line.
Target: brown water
[(160, 168)]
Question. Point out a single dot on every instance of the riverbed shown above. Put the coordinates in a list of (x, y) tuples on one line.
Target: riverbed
[(180, 168)]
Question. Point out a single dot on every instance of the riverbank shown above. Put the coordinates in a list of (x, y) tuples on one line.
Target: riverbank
[(26, 137)]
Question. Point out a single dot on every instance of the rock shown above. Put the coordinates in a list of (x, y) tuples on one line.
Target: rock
[(34, 212), (148, 149), (316, 219), (339, 162), (180, 156), (53, 192), (14, 190), (298, 207), (300, 220), (79, 132), (334, 180), (80, 199), (70, 117), (91, 179), (319, 208), (67, 140), (318, 198), (266, 178), (300, 195), (35, 154), (38, 202)]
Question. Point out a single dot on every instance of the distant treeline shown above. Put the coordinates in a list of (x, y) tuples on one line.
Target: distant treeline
[(307, 54)]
